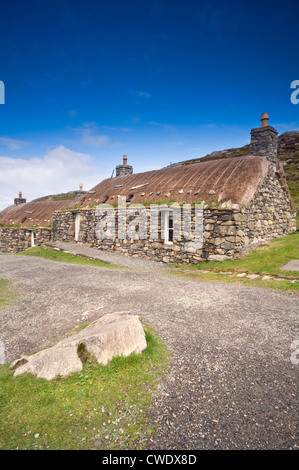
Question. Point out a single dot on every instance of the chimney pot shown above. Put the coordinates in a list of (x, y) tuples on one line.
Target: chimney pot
[(125, 160), (264, 119), (80, 187), (20, 195)]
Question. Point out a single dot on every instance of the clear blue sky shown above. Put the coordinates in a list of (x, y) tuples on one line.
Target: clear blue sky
[(160, 81)]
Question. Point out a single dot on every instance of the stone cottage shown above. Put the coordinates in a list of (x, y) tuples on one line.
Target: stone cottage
[(25, 225), (211, 210)]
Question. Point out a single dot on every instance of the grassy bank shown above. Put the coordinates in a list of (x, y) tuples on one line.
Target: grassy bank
[(55, 255), (98, 408), (266, 260)]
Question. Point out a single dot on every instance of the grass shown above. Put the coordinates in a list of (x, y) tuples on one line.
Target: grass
[(98, 408), (65, 257), (283, 286), (265, 260), (57, 197), (8, 294)]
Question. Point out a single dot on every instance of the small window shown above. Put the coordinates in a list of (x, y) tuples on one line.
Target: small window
[(168, 226)]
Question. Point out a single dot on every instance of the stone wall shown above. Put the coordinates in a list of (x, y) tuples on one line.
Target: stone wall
[(63, 225), (271, 213), (13, 240), (136, 245)]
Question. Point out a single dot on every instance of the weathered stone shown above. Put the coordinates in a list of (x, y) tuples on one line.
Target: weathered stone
[(291, 266), (218, 258), (115, 334)]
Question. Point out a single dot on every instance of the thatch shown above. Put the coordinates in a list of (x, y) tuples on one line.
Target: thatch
[(233, 179), (33, 213)]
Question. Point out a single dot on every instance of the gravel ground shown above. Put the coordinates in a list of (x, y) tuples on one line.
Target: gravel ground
[(231, 385)]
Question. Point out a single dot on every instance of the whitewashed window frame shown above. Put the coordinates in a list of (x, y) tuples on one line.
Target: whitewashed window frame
[(166, 215)]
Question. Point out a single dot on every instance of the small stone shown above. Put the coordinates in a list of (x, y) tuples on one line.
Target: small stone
[(252, 276)]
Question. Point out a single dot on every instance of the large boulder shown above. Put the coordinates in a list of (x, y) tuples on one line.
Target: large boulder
[(114, 334)]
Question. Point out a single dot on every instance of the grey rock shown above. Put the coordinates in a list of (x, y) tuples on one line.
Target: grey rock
[(115, 334)]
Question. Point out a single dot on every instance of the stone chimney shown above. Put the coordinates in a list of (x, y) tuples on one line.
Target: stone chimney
[(19, 200), (264, 140), (124, 169), (79, 193)]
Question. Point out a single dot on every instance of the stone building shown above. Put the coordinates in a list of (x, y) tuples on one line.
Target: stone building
[(211, 210), (25, 225)]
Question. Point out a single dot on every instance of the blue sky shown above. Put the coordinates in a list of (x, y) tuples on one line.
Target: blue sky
[(159, 81)]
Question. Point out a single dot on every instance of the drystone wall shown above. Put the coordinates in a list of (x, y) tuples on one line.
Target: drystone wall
[(271, 213), (14, 240), (63, 226)]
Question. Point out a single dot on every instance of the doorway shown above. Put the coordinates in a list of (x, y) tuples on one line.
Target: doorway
[(77, 226)]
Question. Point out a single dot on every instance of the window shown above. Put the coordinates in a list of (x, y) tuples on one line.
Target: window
[(167, 226)]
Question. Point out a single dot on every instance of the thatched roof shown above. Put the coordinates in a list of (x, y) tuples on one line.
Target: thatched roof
[(232, 179), (33, 213)]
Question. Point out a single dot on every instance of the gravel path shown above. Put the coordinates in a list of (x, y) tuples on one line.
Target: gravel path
[(231, 384)]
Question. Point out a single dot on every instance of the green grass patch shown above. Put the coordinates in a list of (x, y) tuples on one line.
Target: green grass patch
[(98, 408), (65, 257), (8, 293), (282, 286), (265, 260)]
